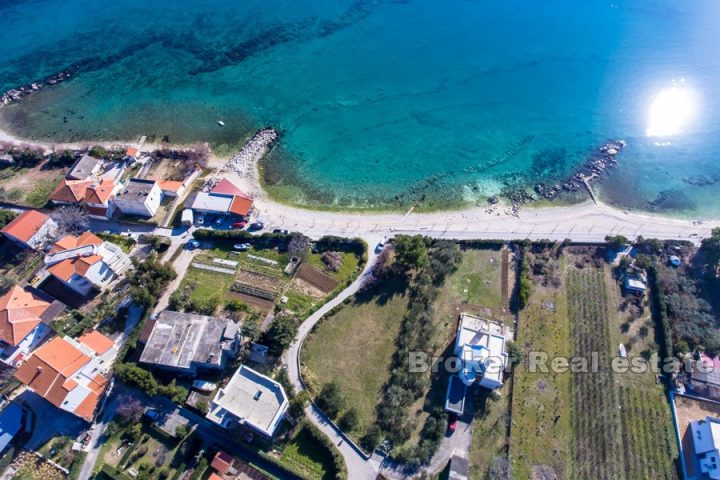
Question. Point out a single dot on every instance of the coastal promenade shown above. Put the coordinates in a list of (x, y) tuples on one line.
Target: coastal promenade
[(581, 223)]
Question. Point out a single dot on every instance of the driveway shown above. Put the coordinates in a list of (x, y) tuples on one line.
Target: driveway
[(359, 466)]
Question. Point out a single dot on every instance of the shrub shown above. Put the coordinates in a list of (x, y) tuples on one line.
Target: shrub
[(280, 334), (332, 260), (349, 420), (330, 400)]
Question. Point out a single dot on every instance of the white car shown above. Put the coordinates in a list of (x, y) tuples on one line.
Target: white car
[(380, 246), (219, 221), (194, 243), (201, 220), (241, 246)]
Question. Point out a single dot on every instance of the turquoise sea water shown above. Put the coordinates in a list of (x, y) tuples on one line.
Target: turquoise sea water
[(381, 102)]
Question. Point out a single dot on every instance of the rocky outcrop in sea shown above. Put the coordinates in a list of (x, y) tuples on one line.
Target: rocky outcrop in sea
[(601, 161), (17, 94)]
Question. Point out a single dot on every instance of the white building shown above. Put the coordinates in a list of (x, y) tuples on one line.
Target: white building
[(480, 346), (706, 445), (30, 229), (250, 399), (186, 342), (139, 197), (86, 262)]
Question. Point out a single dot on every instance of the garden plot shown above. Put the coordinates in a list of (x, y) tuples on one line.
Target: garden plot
[(257, 284), (317, 278)]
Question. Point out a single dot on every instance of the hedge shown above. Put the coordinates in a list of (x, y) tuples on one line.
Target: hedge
[(338, 461), (659, 312)]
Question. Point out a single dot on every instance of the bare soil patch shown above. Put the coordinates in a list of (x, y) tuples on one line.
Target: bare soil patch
[(317, 277)]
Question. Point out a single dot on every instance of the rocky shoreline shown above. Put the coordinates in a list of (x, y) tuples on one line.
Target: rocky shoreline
[(244, 162), (600, 161), (18, 94)]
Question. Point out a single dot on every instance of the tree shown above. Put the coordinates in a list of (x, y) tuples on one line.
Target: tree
[(711, 247), (515, 353), (330, 400), (410, 252), (6, 216), (130, 409), (299, 245), (71, 219), (179, 301), (349, 420), (616, 241), (281, 334)]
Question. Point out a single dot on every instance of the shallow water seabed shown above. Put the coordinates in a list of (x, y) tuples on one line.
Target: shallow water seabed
[(382, 103)]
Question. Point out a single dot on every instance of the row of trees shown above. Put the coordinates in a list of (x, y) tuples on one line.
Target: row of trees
[(429, 263)]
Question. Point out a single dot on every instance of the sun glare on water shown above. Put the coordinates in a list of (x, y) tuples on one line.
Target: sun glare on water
[(672, 109)]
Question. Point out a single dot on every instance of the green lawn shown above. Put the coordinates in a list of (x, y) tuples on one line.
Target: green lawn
[(354, 347), (126, 244), (304, 455), (477, 281), (205, 283), (349, 264), (541, 413), (489, 432)]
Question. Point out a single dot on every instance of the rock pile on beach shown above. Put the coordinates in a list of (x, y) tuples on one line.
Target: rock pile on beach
[(243, 163), (600, 161), (15, 95)]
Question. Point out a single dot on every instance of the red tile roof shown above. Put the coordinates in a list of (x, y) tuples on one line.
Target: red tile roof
[(226, 187), (98, 342), (100, 192), (132, 151), (170, 185), (222, 462), (65, 269), (71, 241), (20, 312), (241, 206), (70, 191), (26, 225)]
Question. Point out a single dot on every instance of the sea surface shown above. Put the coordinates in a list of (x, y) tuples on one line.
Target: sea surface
[(382, 103)]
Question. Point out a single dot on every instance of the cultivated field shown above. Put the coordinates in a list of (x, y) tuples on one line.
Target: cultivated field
[(603, 425)]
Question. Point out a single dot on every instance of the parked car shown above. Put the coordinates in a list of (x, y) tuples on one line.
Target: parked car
[(152, 414), (281, 230), (452, 422), (238, 225), (219, 221), (241, 246), (256, 226), (201, 220), (194, 244), (380, 246)]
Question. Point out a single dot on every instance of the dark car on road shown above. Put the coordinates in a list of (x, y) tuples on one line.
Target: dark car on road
[(281, 231), (255, 226)]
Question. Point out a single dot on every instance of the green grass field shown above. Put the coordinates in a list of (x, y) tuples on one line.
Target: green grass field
[(304, 455), (354, 347), (541, 413)]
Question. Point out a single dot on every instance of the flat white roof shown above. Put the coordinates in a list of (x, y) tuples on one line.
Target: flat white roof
[(212, 202), (252, 398)]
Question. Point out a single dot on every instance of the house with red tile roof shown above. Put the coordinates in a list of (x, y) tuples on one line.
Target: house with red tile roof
[(31, 229), (24, 318), (224, 199), (69, 374), (85, 262), (95, 195)]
